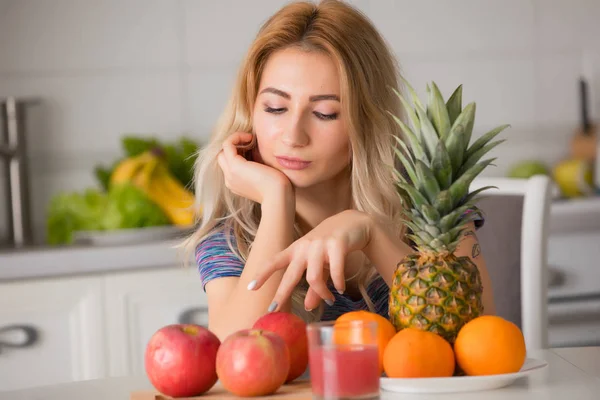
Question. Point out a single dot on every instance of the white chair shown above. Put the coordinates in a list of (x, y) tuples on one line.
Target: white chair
[(514, 241)]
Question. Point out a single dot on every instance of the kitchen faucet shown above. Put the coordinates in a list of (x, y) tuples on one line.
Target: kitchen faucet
[(13, 153)]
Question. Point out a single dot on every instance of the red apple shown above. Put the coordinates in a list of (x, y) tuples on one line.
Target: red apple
[(180, 360), (292, 330), (253, 363)]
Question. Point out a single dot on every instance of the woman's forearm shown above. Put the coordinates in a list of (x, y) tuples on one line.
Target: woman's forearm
[(469, 247), (385, 250), (275, 232)]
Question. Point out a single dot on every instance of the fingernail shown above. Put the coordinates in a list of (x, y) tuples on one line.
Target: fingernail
[(308, 309), (273, 306), (252, 284), (340, 291), (329, 302)]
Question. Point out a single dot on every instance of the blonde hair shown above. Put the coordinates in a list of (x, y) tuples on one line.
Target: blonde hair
[(368, 72)]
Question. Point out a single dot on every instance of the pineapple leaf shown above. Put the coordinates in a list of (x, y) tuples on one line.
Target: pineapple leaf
[(428, 133), (449, 221), (412, 139), (431, 214), (454, 104), (485, 138), (445, 239), (412, 226), (407, 151), (418, 241), (469, 128), (476, 156), (427, 181), (409, 111), (415, 213), (425, 236), (442, 166), (439, 112), (398, 176), (456, 232), (455, 142), (438, 245), (413, 93), (469, 198), (415, 196), (443, 202), (417, 219), (407, 166), (433, 230), (460, 187)]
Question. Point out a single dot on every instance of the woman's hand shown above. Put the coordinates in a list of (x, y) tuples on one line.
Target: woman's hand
[(250, 179), (321, 253)]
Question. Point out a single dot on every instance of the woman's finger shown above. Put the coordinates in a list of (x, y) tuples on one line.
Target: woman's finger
[(230, 152), (280, 261), (239, 141), (314, 271), (336, 255), (312, 299), (223, 163), (239, 138), (291, 277)]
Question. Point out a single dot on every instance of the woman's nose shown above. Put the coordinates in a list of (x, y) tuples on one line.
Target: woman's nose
[(295, 134)]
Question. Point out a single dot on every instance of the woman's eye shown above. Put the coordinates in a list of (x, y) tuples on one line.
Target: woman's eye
[(326, 117), (274, 110)]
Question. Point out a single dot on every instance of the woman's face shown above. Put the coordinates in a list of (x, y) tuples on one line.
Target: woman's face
[(297, 118)]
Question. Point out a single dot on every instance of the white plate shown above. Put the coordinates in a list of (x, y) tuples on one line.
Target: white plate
[(460, 383), (129, 236)]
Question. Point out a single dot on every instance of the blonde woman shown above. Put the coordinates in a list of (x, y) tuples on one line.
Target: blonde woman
[(300, 210)]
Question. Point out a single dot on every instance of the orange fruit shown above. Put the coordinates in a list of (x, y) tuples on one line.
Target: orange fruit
[(385, 329), (413, 353), (489, 345)]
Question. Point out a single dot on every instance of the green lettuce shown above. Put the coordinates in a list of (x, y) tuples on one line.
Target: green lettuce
[(122, 207)]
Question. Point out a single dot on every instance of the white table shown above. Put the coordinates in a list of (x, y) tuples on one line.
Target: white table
[(572, 374), (584, 358)]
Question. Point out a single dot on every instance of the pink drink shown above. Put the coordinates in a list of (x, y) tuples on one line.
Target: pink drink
[(345, 372)]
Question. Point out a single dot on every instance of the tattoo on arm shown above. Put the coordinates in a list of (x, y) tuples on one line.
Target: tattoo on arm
[(476, 250)]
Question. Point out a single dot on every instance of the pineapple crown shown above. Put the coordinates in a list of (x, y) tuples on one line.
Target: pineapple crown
[(440, 166)]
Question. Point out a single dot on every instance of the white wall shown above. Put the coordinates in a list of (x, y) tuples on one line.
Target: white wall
[(107, 68)]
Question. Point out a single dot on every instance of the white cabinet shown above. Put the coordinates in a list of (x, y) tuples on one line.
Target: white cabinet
[(66, 316), (574, 309), (91, 326), (140, 302)]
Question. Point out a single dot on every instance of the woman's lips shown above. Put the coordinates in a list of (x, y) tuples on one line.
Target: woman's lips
[(292, 163)]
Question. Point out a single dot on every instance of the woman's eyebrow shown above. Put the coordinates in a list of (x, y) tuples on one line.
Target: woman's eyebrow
[(276, 91), (285, 95), (324, 97)]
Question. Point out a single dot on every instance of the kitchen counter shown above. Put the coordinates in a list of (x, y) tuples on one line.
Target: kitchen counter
[(561, 379), (575, 215), (573, 225), (38, 262)]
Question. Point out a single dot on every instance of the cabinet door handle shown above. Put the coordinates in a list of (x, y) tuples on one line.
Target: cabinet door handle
[(31, 336), (187, 316)]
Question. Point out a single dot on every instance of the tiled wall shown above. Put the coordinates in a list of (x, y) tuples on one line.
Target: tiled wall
[(106, 68)]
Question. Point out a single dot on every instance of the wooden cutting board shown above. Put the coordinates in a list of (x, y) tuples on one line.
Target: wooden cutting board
[(300, 390)]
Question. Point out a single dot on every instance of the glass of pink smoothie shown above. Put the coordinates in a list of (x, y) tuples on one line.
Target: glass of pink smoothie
[(344, 360)]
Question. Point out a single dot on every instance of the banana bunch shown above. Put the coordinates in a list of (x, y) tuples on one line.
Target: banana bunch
[(147, 172)]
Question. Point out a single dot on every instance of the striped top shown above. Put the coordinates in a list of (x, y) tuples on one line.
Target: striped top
[(215, 260)]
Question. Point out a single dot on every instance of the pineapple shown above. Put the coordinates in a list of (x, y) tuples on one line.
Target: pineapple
[(433, 289)]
